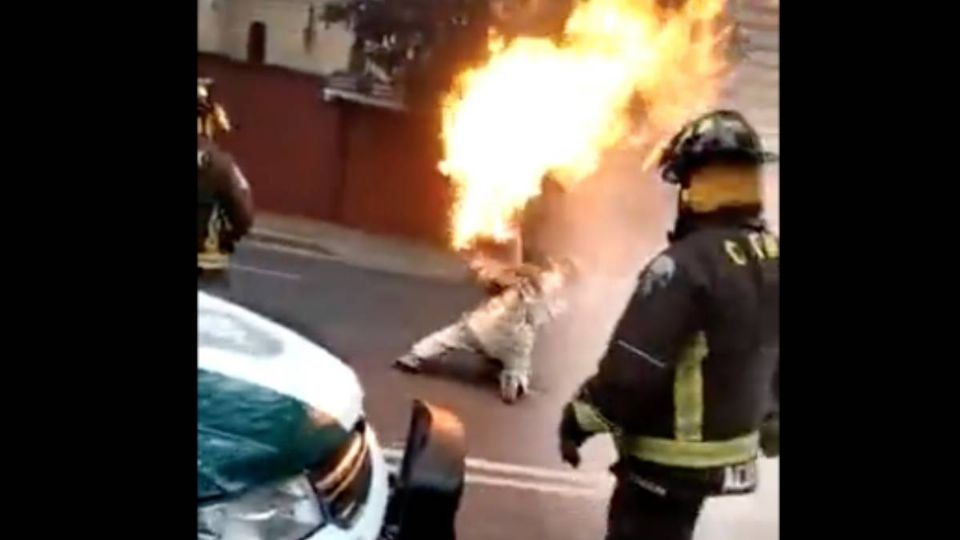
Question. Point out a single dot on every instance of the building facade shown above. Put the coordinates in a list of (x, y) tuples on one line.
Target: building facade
[(290, 34), (370, 168)]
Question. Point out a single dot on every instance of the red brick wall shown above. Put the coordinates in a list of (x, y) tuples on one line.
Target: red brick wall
[(286, 139), (393, 185), (367, 168)]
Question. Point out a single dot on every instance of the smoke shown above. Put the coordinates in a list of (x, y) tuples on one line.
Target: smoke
[(610, 225)]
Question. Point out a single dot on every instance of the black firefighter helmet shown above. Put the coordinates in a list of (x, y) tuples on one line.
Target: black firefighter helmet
[(715, 160), (716, 137)]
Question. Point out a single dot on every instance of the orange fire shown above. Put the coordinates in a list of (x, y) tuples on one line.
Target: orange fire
[(623, 70)]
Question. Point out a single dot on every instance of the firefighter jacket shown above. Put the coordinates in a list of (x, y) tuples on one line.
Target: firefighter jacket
[(225, 205), (688, 376)]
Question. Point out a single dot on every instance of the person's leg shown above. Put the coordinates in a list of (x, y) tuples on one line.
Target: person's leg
[(517, 368), (638, 514), (435, 345)]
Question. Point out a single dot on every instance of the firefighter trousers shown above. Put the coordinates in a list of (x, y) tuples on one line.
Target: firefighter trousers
[(213, 280), (639, 514)]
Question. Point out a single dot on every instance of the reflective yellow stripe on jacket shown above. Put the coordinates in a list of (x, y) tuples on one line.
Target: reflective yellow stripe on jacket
[(687, 449), (211, 258), (693, 454), (688, 391), (212, 261)]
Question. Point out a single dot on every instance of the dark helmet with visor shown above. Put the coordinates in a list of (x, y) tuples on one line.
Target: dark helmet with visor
[(722, 136)]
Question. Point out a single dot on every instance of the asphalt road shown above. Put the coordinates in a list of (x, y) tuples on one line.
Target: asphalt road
[(517, 487)]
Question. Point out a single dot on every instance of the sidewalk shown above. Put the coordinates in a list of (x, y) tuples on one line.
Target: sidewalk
[(357, 248)]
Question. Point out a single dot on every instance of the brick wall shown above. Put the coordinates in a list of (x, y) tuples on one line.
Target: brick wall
[(392, 183), (364, 167), (286, 139)]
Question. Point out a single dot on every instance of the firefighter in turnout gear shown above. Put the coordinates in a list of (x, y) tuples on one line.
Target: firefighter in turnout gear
[(225, 205), (520, 298), (689, 386)]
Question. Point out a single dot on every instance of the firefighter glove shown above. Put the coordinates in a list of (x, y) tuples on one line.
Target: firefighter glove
[(570, 452), (572, 437)]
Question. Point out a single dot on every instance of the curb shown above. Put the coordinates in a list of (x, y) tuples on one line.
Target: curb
[(408, 266), (268, 236)]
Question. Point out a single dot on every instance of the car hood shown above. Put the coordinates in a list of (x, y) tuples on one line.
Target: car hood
[(269, 402)]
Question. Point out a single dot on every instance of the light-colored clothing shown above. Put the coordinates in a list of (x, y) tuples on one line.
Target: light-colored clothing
[(503, 328)]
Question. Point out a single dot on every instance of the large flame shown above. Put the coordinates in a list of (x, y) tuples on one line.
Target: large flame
[(623, 69)]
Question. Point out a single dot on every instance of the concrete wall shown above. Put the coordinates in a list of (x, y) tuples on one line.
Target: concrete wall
[(223, 27), (208, 26)]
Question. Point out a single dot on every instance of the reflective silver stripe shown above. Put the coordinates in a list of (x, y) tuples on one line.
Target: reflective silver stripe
[(647, 484), (244, 184), (640, 353)]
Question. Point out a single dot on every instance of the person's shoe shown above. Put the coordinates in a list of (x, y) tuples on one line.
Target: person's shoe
[(409, 363)]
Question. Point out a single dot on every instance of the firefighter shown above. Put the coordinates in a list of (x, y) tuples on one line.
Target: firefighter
[(520, 298), (689, 384), (225, 204)]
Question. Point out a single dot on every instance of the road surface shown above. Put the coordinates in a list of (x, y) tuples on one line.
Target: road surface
[(517, 487)]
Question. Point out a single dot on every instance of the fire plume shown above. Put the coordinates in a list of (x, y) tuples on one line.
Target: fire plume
[(623, 70)]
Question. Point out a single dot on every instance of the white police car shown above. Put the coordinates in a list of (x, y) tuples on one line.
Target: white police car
[(284, 451)]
